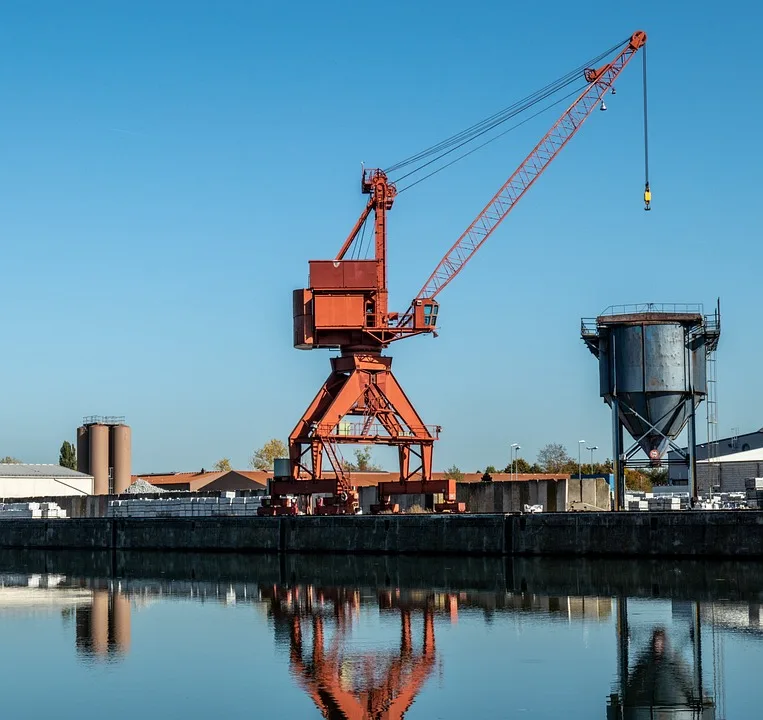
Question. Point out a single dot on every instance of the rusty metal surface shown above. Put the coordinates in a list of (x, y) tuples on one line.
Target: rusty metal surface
[(418, 487), (651, 317)]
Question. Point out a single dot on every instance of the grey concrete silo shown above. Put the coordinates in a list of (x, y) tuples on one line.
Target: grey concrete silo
[(98, 436), (653, 375), (104, 450), (83, 450), (121, 451)]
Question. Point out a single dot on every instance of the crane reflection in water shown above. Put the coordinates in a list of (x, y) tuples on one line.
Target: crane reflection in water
[(663, 668), (356, 684)]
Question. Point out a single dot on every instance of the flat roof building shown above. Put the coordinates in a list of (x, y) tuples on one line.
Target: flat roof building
[(26, 480)]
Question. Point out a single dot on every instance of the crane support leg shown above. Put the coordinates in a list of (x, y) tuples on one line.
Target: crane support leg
[(362, 402)]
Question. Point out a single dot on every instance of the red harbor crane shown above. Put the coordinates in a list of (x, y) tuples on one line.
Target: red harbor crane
[(345, 308)]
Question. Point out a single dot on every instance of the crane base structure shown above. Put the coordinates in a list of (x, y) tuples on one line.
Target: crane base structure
[(361, 402)]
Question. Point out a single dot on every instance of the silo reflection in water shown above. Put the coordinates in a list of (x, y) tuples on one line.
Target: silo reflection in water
[(103, 629), (665, 679)]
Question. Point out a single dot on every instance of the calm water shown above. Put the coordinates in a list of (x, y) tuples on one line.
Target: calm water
[(188, 636)]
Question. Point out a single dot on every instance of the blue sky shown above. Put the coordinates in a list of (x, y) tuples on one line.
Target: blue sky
[(169, 168)]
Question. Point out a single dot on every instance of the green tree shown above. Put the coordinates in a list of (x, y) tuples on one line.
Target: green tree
[(490, 470), (363, 462), (595, 469), (222, 465), (263, 458), (554, 458), (454, 473), (11, 460), (657, 476), (67, 456), (637, 480), (522, 467)]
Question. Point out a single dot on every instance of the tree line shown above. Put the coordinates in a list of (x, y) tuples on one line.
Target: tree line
[(552, 458)]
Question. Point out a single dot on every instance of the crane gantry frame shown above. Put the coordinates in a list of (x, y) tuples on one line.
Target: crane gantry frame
[(346, 308)]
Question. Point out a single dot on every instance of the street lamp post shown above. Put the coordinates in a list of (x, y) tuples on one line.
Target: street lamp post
[(580, 467), (512, 454), (592, 449), (516, 458)]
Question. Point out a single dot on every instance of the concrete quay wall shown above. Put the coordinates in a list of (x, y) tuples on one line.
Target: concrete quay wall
[(729, 534)]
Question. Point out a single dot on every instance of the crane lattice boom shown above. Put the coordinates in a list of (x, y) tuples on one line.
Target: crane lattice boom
[(527, 173)]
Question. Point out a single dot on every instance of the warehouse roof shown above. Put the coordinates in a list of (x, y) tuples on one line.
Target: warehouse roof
[(195, 481), (201, 480), (743, 456), (38, 470)]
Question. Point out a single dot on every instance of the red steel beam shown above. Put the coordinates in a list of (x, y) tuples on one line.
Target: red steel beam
[(418, 487)]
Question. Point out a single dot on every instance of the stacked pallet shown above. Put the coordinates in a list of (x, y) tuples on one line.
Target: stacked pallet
[(635, 500), (667, 502), (228, 505), (640, 501), (31, 510), (754, 492)]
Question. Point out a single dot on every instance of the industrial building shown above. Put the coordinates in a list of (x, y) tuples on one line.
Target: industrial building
[(723, 466), (24, 480), (104, 447)]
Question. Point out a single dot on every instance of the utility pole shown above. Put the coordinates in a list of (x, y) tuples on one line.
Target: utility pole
[(580, 467)]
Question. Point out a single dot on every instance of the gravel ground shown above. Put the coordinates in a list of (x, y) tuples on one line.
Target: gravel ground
[(140, 487)]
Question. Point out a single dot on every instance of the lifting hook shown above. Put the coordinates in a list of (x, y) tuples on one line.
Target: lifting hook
[(647, 197)]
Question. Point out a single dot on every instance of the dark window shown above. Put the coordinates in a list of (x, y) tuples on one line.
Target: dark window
[(430, 315)]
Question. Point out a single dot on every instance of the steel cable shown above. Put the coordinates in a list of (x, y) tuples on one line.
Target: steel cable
[(487, 142), (489, 123), (646, 125)]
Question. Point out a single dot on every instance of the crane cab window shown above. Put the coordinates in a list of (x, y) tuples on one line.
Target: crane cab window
[(430, 315), (425, 314)]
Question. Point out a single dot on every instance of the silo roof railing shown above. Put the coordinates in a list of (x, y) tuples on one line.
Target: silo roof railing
[(640, 308), (103, 420), (589, 328)]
